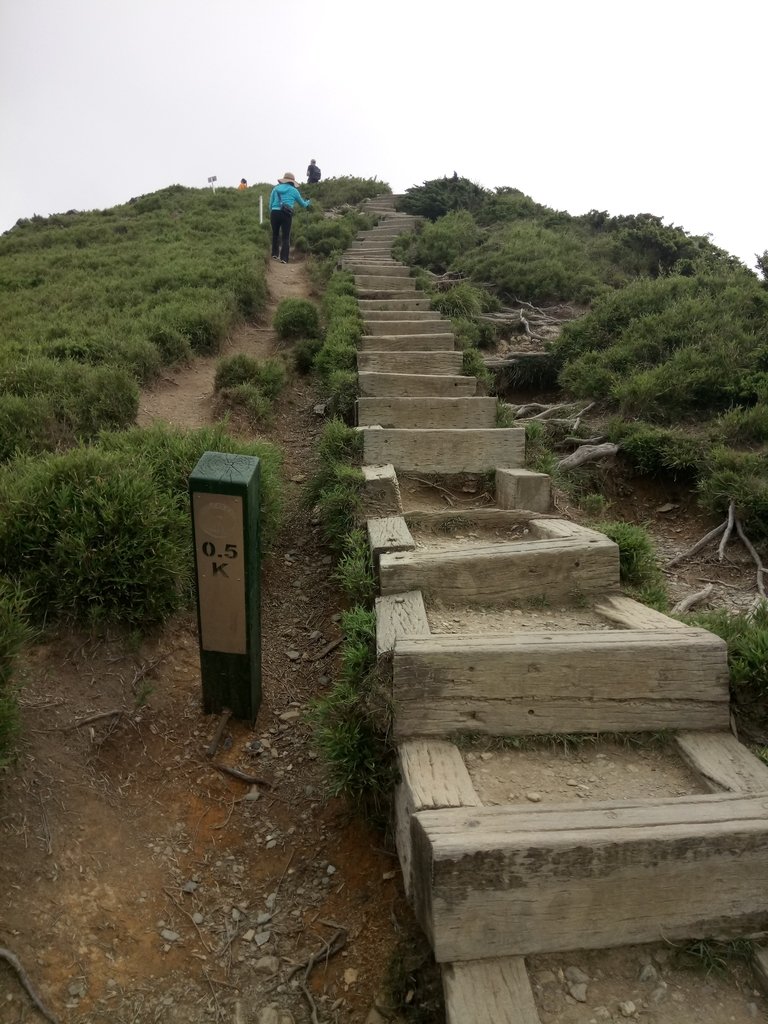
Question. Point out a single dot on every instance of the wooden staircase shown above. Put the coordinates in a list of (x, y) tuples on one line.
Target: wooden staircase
[(491, 884)]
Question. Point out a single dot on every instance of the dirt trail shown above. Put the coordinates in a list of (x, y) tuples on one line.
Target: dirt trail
[(137, 882)]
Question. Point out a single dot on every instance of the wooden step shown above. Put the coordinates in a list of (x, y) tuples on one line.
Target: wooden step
[(414, 385), (438, 450), (414, 360), (724, 763), (388, 268), (381, 492), (494, 574), (383, 281), (375, 315), (458, 413), (427, 343), (413, 302), (495, 991), (388, 534), (399, 616), (522, 488), (513, 880), (418, 327), (385, 292), (531, 683)]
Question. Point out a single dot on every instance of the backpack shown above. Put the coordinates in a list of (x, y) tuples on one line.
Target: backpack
[(315, 175)]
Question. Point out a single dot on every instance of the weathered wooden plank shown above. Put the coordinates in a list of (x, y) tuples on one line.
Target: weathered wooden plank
[(457, 413), (510, 881), (412, 361), (432, 775), (371, 282), (504, 573), (493, 991), (521, 488), (445, 451), (542, 716), (414, 385), (760, 966), (404, 343), (399, 616), (418, 327), (723, 763), (564, 529), (465, 518), (633, 615), (388, 533), (381, 493), (534, 683)]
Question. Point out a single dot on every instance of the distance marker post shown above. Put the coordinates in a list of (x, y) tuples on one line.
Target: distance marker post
[(224, 495)]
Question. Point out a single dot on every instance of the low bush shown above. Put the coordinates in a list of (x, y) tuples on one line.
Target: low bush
[(472, 365), (352, 723), (343, 389), (639, 569), (464, 300), (268, 375), (354, 573), (296, 318), (747, 637), (304, 353), (741, 478), (14, 633), (659, 451)]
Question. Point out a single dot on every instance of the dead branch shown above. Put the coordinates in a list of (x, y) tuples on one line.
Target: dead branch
[(13, 960), (687, 603), (521, 411), (697, 546), (329, 949), (252, 780), (327, 649), (577, 442), (588, 453), (213, 746), (93, 718), (755, 557), (728, 530)]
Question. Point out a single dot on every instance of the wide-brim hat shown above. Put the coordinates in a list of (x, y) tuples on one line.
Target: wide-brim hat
[(287, 177)]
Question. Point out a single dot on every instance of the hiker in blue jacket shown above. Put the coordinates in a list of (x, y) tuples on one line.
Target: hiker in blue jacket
[(281, 202)]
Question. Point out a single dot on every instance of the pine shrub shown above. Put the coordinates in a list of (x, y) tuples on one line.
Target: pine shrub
[(296, 318)]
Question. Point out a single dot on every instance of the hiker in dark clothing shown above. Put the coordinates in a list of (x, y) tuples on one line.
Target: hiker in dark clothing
[(313, 173)]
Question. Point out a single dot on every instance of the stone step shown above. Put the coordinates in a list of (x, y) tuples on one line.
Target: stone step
[(374, 315), (414, 385), (503, 574), (515, 880), (393, 305), (458, 413), (404, 343), (413, 360), (416, 328), (437, 450), (528, 683), (368, 282)]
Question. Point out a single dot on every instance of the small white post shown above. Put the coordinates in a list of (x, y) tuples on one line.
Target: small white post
[(212, 182), (261, 209)]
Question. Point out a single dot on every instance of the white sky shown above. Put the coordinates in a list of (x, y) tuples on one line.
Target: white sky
[(631, 107)]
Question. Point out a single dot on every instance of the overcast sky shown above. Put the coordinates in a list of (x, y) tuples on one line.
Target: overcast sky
[(610, 104)]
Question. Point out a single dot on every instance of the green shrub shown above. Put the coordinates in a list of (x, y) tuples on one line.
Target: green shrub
[(169, 455), (14, 633), (739, 477), (267, 375), (304, 353), (337, 355), (747, 639), (247, 398), (472, 365), (740, 426), (296, 318), (27, 425), (658, 451), (343, 390), (440, 196), (352, 723), (638, 566), (354, 573), (89, 536), (464, 300)]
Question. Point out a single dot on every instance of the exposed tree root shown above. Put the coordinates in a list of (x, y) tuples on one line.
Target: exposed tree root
[(693, 599), (13, 960), (588, 453)]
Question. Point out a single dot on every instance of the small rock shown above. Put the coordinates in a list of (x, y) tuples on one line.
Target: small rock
[(261, 938), (236, 915), (189, 886), (275, 1015), (330, 870), (535, 798), (267, 965), (248, 936), (315, 634), (571, 782), (350, 976), (77, 988), (169, 936), (197, 917), (669, 506), (271, 844), (253, 794), (578, 990), (659, 994), (546, 977), (290, 716), (603, 1013), (577, 976), (628, 1009), (263, 918), (293, 655), (648, 973), (388, 875), (661, 956)]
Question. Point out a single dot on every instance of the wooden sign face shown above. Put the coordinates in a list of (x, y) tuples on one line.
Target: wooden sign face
[(220, 563)]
